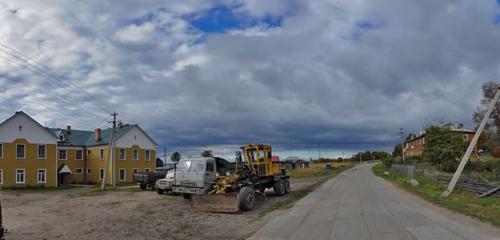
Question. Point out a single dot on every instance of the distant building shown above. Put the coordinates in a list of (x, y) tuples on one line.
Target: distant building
[(415, 145), (33, 155)]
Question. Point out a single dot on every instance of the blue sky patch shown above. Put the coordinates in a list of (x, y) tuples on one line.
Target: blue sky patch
[(222, 18), (362, 27), (497, 18)]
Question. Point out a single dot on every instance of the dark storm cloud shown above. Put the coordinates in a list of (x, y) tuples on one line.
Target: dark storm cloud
[(339, 74)]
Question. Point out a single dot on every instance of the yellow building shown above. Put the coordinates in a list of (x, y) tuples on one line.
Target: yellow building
[(32, 155)]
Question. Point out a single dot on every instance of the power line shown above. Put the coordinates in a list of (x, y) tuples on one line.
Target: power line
[(50, 75)]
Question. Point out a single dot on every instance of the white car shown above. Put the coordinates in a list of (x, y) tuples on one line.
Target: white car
[(165, 184)]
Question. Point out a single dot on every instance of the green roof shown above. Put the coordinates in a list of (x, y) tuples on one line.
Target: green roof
[(86, 138)]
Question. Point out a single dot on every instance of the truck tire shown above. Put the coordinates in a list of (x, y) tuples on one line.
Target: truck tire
[(287, 186), (186, 196), (159, 191), (143, 186), (247, 198), (279, 188)]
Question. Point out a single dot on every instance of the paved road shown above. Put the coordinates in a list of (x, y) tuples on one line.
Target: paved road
[(358, 205)]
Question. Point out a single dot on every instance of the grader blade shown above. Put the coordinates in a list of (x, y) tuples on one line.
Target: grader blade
[(221, 203)]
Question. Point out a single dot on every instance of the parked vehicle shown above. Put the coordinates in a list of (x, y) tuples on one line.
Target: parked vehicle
[(165, 184), (215, 191), (2, 229), (147, 180)]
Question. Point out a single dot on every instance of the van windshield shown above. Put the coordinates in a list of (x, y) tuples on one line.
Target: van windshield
[(190, 166)]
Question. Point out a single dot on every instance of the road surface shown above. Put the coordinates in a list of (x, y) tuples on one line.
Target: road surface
[(359, 205)]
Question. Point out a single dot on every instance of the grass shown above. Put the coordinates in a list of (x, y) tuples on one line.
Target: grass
[(296, 195), (317, 170), (486, 209)]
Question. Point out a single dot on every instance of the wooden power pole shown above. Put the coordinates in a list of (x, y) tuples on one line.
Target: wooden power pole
[(472, 144)]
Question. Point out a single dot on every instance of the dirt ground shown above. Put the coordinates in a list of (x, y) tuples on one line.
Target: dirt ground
[(84, 213)]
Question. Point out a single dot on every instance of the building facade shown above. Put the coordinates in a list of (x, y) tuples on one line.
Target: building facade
[(33, 155), (415, 146)]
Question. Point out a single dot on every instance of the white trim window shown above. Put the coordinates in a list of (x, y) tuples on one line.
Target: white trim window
[(42, 151), (20, 176), (78, 170), (135, 170), (78, 154), (147, 155), (89, 170), (20, 151), (122, 174), (1, 150), (41, 176), (135, 154), (101, 174), (122, 153), (101, 154), (147, 169), (63, 154), (1, 176)]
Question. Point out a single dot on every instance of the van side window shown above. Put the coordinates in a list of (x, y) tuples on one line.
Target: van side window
[(210, 167)]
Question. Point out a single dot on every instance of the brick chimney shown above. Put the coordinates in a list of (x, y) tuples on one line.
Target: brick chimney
[(68, 129), (97, 134)]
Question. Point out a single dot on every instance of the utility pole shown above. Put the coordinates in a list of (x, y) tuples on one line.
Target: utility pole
[(111, 155), (472, 144), (401, 132)]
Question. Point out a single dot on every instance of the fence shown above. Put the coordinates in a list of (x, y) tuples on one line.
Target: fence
[(404, 170)]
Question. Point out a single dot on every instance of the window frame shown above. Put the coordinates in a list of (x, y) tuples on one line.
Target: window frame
[(44, 151), (135, 170), (1, 150), (24, 150), (88, 170), (147, 169), (124, 154), (147, 155), (76, 155), (1, 176), (76, 170), (44, 175), (135, 157), (65, 154), (101, 176), (24, 175), (124, 175), (101, 153)]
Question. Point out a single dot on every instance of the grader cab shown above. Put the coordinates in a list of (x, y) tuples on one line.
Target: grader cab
[(236, 191)]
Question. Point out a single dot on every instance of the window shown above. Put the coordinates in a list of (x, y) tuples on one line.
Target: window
[(62, 154), (122, 174), (89, 170), (20, 176), (20, 151), (135, 154), (42, 152), (210, 167), (148, 155), (42, 176), (1, 176), (1, 150), (122, 154), (78, 170), (146, 169), (466, 137), (135, 170), (89, 152), (101, 154), (79, 155), (101, 174)]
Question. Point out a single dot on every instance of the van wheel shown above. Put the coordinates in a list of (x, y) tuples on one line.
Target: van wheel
[(247, 198), (143, 186), (186, 196), (279, 188)]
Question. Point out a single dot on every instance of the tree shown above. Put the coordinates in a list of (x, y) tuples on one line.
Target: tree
[(444, 147), (207, 153), (397, 151), (176, 156), (489, 90)]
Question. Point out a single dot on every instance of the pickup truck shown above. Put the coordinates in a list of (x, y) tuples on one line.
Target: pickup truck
[(165, 184), (148, 179)]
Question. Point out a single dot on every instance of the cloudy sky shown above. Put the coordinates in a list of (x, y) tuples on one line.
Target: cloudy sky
[(299, 74)]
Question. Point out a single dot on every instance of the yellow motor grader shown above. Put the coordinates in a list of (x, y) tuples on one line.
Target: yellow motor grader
[(236, 191)]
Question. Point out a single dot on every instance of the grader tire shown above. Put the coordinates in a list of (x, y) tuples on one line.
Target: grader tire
[(247, 198), (279, 188), (159, 191)]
